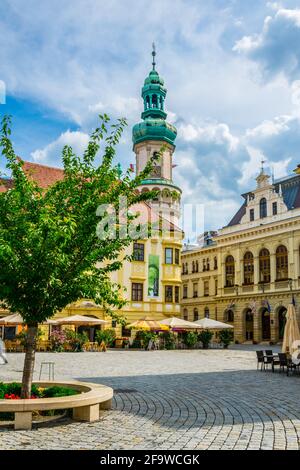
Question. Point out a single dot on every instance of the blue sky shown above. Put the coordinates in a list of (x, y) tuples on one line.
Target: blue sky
[(232, 69)]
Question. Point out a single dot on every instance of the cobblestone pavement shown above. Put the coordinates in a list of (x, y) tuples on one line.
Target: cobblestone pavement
[(211, 399)]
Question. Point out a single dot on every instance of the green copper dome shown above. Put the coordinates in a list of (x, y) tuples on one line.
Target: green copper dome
[(154, 125), (154, 129), (154, 78)]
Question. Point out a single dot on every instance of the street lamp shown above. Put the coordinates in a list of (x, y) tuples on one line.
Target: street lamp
[(263, 287), (290, 283), (236, 289)]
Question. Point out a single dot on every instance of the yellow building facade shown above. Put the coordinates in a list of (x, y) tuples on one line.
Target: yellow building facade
[(249, 272)]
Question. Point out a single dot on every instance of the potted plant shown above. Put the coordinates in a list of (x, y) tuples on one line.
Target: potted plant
[(106, 336), (205, 337), (190, 339), (225, 337)]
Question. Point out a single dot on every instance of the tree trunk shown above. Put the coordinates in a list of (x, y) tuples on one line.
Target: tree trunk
[(30, 347)]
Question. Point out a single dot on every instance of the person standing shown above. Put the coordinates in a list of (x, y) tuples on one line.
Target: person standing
[(2, 351)]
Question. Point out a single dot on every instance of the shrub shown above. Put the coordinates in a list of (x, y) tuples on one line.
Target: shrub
[(107, 336), (169, 339), (146, 337), (58, 338), (205, 337), (190, 339), (225, 337), (76, 340)]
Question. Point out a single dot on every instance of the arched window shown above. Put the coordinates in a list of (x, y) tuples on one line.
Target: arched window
[(161, 103), (207, 264), (193, 266), (147, 102), (215, 263), (229, 271), (185, 314), (281, 263), (154, 101), (264, 266), (197, 266), (229, 316), (196, 314), (204, 264), (206, 312), (248, 268), (263, 208)]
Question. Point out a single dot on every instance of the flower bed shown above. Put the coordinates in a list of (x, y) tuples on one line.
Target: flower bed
[(84, 400), (12, 391)]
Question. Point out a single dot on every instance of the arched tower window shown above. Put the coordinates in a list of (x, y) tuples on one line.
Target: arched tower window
[(248, 268), (147, 102), (264, 266), (154, 101), (263, 208), (281, 263), (161, 103), (229, 271)]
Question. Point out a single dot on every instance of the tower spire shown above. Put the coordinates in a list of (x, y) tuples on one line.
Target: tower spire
[(153, 56)]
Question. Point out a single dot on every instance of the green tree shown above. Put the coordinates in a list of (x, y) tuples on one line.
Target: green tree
[(50, 251)]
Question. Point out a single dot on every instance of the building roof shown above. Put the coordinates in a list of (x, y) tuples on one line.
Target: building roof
[(290, 188), (45, 176)]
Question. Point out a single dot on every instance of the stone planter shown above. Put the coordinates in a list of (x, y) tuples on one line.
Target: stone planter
[(86, 406)]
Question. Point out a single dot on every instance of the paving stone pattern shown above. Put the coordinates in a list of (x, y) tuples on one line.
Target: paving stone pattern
[(211, 399)]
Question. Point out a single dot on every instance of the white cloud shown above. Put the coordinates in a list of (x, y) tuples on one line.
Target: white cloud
[(2, 92), (277, 48), (51, 154)]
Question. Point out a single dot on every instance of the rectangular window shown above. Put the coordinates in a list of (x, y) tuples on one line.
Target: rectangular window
[(206, 288), (168, 255), (195, 290), (216, 287), (137, 291), (177, 257), (138, 251), (185, 292), (274, 208), (169, 293), (251, 215), (177, 294)]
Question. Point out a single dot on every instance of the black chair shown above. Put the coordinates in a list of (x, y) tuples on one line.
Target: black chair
[(269, 352), (260, 359), (283, 361), (269, 359)]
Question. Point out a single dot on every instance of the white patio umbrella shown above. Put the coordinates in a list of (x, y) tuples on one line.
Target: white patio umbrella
[(209, 324), (291, 331), (78, 320), (179, 323), (16, 319)]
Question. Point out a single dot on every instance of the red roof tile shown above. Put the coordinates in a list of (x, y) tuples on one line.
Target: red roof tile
[(43, 175)]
